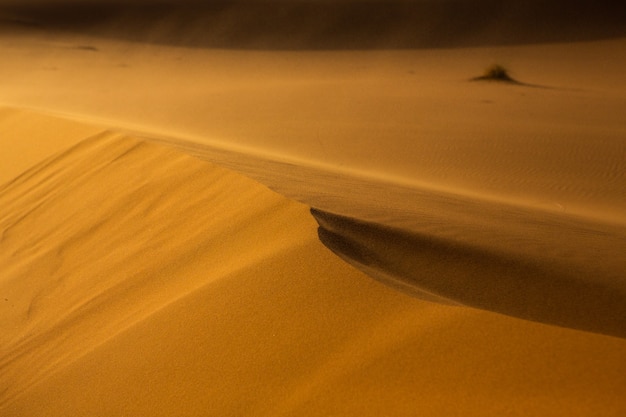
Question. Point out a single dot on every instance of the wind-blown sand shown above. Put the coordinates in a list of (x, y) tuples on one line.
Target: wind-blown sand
[(141, 275)]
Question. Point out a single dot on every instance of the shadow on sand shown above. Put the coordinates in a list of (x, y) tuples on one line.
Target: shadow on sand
[(438, 270), (324, 25)]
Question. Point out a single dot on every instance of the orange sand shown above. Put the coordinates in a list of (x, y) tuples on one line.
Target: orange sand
[(142, 274)]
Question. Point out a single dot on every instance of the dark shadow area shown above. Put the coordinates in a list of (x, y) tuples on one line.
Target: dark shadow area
[(541, 290), (325, 25)]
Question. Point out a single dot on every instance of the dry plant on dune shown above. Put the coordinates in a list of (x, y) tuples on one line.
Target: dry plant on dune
[(496, 72)]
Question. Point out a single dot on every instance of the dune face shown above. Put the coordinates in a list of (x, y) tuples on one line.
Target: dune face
[(550, 290), (106, 234), (142, 274), (139, 281)]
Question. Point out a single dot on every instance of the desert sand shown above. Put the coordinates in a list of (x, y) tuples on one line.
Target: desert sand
[(286, 209)]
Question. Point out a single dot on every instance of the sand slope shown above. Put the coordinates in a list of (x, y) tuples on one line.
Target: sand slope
[(95, 244), (27, 138), (556, 285), (138, 281)]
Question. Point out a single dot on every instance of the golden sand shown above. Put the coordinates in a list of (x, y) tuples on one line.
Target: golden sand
[(158, 255)]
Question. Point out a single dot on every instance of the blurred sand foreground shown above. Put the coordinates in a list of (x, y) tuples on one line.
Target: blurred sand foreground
[(141, 274)]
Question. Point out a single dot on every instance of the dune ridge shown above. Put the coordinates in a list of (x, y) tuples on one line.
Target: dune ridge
[(80, 267), (441, 129), (527, 260), (174, 286), (29, 137)]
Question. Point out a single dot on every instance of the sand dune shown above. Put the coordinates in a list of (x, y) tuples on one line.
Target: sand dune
[(140, 281), (142, 274)]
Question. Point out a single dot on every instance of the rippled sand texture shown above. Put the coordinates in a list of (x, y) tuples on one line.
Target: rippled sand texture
[(176, 183)]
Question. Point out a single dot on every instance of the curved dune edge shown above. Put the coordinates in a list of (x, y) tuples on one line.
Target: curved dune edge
[(533, 261), (139, 280), (547, 290)]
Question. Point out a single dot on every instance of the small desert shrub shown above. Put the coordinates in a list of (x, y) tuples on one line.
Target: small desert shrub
[(496, 73)]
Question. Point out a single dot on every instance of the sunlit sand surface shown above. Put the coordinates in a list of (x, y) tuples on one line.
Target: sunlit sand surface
[(204, 214)]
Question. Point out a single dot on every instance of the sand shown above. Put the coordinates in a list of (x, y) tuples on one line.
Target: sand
[(158, 254)]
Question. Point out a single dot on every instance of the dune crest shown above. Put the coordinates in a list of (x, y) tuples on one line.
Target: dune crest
[(137, 279), (109, 222)]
